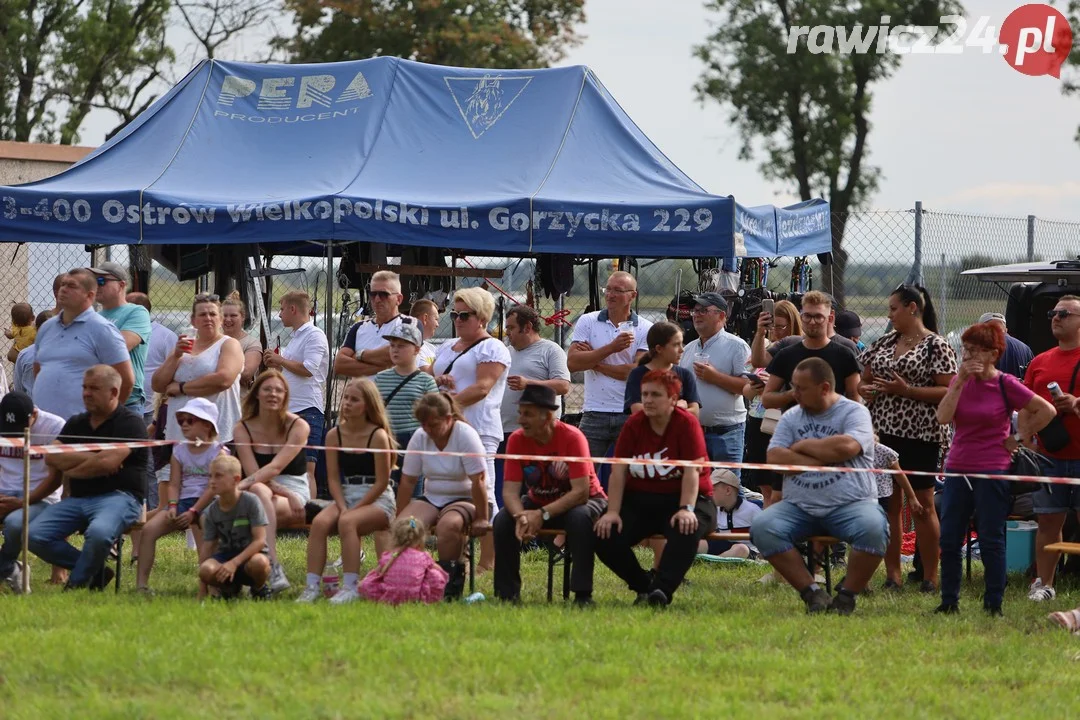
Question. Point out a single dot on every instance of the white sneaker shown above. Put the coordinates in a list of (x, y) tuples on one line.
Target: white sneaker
[(1040, 592), (278, 581), (819, 578), (345, 595), (310, 595), (15, 579), (363, 556)]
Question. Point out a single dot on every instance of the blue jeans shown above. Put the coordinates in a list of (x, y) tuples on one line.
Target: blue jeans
[(1051, 499), (9, 553), (602, 429), (862, 524), (102, 518), (314, 418), (990, 500), (727, 446)]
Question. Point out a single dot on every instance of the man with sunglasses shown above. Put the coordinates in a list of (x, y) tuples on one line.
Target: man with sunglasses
[(133, 322), (1052, 503), (366, 350), (606, 345), (71, 343)]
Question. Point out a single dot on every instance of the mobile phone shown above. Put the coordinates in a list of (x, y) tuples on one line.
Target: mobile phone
[(767, 305), (753, 377)]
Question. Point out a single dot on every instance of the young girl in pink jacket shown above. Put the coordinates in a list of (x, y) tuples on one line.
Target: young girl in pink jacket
[(406, 573)]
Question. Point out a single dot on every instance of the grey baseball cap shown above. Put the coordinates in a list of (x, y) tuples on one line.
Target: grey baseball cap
[(113, 270), (407, 332), (987, 317)]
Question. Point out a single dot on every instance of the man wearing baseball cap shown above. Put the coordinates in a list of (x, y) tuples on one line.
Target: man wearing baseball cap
[(1017, 355), (849, 324), (133, 322), (17, 412), (717, 358), (560, 495)]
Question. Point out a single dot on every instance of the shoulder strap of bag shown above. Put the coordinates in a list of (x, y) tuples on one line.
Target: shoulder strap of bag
[(1072, 382), (451, 365), (395, 391), (1001, 386)]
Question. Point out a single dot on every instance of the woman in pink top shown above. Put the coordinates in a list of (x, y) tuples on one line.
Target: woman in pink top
[(979, 403), (406, 573)]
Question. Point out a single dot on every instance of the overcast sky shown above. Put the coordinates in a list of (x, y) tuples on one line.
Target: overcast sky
[(963, 133)]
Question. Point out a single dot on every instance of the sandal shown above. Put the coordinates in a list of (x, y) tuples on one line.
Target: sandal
[(1068, 619)]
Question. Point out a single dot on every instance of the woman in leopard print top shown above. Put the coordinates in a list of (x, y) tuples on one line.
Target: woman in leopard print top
[(906, 373)]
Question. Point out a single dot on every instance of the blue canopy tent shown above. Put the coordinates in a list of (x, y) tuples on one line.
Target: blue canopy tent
[(388, 150)]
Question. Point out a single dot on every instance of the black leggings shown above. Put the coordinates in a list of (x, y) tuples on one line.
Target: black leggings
[(917, 455)]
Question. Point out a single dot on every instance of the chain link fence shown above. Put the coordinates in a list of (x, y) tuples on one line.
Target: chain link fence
[(881, 250)]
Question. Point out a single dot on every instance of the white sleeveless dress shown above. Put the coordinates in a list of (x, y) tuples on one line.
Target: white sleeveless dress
[(192, 367)]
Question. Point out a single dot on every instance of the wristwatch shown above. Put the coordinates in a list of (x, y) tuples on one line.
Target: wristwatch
[(545, 515), (687, 508)]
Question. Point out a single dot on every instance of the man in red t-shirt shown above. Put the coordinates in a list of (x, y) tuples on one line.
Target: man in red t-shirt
[(1052, 502), (560, 495)]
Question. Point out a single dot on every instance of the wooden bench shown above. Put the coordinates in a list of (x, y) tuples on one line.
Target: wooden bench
[(562, 554), (1067, 548)]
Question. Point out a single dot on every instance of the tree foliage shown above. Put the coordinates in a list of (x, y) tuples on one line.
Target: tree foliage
[(1071, 80), (470, 33), (806, 115)]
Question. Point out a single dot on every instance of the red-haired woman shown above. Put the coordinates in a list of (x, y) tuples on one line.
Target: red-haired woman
[(657, 499), (979, 403)]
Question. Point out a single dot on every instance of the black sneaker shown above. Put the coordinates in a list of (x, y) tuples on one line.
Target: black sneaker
[(583, 601), (512, 600), (843, 603), (102, 579), (658, 598), (263, 593), (947, 609), (928, 586), (993, 610), (892, 585), (816, 600)]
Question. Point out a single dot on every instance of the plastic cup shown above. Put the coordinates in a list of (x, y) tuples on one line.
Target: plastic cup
[(701, 358)]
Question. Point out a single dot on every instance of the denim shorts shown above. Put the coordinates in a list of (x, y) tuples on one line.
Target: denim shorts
[(385, 502), (185, 504), (1049, 499), (862, 524), (314, 418)]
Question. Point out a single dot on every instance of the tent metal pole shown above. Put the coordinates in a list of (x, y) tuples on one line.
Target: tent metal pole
[(328, 309)]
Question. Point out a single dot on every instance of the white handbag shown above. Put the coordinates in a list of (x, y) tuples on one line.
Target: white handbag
[(768, 423)]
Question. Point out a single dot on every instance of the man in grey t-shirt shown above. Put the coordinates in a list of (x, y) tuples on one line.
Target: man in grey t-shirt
[(824, 430)]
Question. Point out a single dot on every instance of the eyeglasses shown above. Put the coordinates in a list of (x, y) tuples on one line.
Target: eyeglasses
[(462, 316), (701, 309), (612, 290), (1061, 314), (379, 294), (815, 318), (207, 297)]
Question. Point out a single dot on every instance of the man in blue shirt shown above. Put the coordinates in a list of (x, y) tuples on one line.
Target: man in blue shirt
[(71, 343), (133, 322), (1017, 355)]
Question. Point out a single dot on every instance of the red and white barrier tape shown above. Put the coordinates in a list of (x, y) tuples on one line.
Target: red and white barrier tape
[(775, 467)]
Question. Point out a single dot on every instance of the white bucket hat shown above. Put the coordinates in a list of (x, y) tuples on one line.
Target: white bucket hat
[(202, 409)]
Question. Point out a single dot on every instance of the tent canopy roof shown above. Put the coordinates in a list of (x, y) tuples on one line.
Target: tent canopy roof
[(388, 150)]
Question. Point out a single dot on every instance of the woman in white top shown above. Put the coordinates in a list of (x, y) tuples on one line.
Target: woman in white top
[(233, 317), (474, 369), (455, 498), (270, 446), (207, 365)]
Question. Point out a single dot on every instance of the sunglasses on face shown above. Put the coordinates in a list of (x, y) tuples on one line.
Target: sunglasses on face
[(462, 316), (1061, 314), (185, 420), (379, 294), (101, 280), (207, 297)]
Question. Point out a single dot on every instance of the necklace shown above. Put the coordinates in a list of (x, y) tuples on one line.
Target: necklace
[(912, 341)]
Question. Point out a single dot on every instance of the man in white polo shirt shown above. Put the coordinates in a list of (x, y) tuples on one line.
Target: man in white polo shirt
[(304, 362), (17, 412), (720, 380), (607, 345), (366, 350)]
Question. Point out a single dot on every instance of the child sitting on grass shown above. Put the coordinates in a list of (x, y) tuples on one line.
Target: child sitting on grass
[(234, 536), (407, 573), (188, 488)]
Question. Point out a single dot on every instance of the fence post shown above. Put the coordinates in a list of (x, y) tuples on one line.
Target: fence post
[(916, 276), (943, 325), (1031, 239)]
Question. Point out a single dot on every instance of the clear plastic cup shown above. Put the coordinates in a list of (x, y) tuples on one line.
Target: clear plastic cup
[(626, 327), (701, 358)]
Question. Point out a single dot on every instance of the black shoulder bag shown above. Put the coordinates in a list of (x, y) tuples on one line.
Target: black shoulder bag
[(403, 383), (451, 365), (1024, 461), (1055, 436)]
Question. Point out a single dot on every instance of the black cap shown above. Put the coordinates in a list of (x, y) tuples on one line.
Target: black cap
[(15, 411), (539, 395), (848, 324), (711, 298)]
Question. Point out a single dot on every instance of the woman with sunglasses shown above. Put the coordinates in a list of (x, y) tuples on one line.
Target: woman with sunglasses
[(906, 373), (474, 370), (207, 365)]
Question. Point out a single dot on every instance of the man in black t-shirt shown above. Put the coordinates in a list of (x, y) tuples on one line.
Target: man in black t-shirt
[(817, 315), (106, 486)]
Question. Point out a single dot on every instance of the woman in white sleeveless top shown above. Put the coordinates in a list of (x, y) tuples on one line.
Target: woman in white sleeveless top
[(206, 366)]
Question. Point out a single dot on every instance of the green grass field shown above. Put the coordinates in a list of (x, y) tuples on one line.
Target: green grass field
[(727, 647)]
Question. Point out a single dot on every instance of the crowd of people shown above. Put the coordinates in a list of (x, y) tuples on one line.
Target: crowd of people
[(410, 453)]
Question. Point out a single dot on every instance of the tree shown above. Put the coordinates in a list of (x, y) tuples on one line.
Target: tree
[(807, 111), (1071, 85), (470, 33)]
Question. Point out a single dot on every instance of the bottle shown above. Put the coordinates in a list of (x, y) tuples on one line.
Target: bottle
[(1054, 388), (330, 581), (476, 597)]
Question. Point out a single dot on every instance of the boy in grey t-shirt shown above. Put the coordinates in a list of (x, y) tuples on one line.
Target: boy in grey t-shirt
[(825, 430), (234, 535)]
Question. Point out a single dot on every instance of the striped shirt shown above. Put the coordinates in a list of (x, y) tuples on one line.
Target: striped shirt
[(400, 408)]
